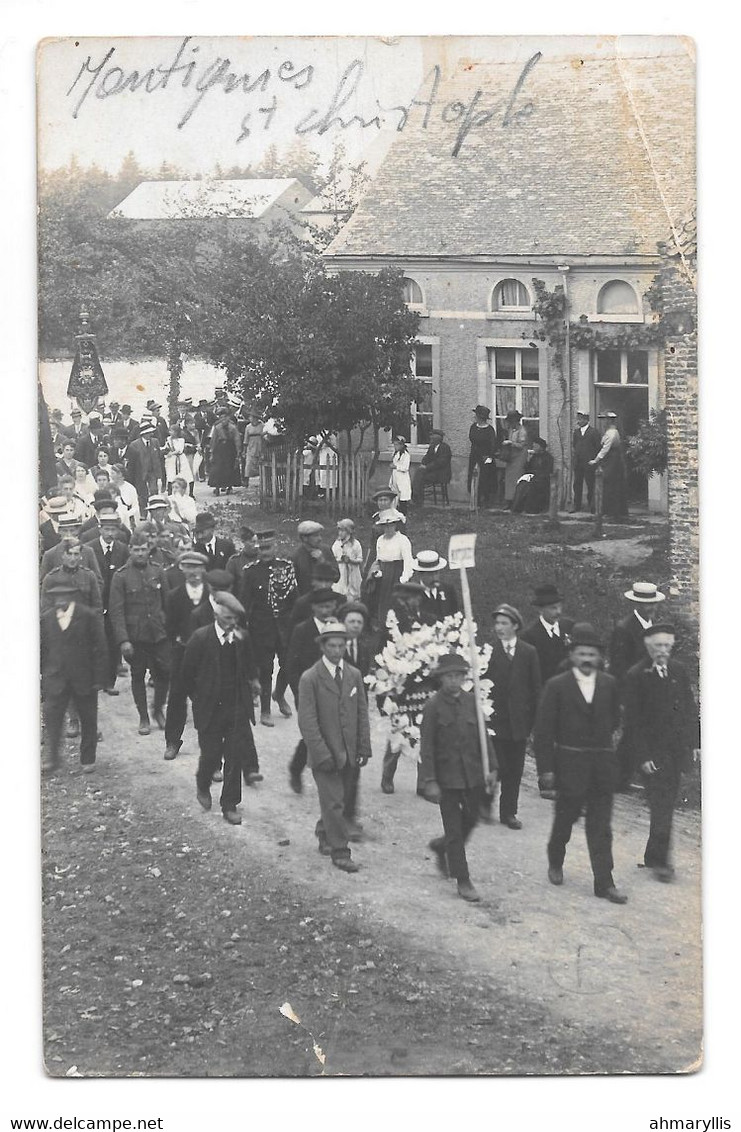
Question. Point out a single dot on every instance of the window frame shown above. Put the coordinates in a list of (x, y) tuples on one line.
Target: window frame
[(597, 316), (623, 383), (517, 385), (422, 305)]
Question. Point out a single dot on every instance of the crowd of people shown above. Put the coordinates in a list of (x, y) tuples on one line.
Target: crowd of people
[(136, 580)]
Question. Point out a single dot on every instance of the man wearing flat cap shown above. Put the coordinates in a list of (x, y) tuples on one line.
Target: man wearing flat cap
[(311, 550), (267, 592), (549, 633), (220, 677), (450, 771), (435, 467), (585, 444), (333, 720), (303, 651), (575, 753), (73, 662), (515, 673), (662, 735), (180, 605), (137, 611)]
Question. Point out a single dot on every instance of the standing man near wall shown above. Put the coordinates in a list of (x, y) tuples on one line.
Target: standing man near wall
[(585, 443)]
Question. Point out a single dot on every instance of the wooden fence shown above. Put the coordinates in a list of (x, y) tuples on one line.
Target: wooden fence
[(341, 487)]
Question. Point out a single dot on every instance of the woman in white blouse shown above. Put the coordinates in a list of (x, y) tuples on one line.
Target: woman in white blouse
[(182, 505), (401, 481), (394, 563)]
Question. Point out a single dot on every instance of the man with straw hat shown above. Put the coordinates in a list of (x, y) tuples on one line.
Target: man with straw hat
[(575, 754), (450, 771)]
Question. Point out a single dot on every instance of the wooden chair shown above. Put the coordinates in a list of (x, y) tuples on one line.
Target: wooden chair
[(434, 488)]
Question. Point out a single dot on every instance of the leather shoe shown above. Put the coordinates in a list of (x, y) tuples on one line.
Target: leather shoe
[(664, 873), (204, 799), (88, 768), (441, 859), (265, 719), (283, 706), (217, 776), (171, 752), (294, 778), (555, 874), (346, 864), (387, 787), (232, 817), (613, 895), (144, 728), (466, 891), (324, 848), (511, 823), (159, 718)]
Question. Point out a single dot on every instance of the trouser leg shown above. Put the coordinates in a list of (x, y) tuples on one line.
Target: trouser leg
[(55, 708), (177, 701), (240, 758), (459, 813), (567, 810), (87, 709), (662, 789), (418, 487), (160, 669), (351, 779), (590, 475), (598, 828), (578, 485), (265, 672), (330, 787), (114, 652), (298, 762), (138, 665), (390, 763), (210, 744), (511, 758)]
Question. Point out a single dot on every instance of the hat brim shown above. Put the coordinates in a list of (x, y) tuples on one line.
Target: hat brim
[(657, 597), (439, 565)]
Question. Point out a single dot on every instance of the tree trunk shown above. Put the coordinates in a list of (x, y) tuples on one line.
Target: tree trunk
[(175, 369)]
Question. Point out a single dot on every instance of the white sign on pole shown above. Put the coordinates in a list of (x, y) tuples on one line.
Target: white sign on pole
[(461, 552)]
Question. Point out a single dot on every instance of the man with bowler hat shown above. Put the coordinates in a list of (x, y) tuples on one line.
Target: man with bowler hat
[(515, 673), (333, 720), (575, 754), (220, 677), (549, 634), (217, 550), (662, 735), (585, 444), (180, 605), (451, 772)]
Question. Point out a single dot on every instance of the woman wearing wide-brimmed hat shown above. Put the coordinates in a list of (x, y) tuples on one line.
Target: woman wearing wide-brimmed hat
[(401, 481), (611, 460), (484, 448), (514, 451), (225, 448), (393, 563)]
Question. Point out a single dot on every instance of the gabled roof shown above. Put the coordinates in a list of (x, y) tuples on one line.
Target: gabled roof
[(603, 164), (198, 200)]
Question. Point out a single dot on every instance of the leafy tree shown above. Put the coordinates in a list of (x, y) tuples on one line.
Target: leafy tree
[(647, 449)]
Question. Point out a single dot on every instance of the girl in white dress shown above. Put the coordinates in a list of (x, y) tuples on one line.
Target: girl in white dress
[(349, 556), (401, 481)]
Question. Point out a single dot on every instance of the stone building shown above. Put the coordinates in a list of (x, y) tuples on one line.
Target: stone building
[(560, 167)]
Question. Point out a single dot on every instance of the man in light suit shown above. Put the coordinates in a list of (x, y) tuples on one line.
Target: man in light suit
[(515, 673), (585, 444), (333, 719), (575, 754)]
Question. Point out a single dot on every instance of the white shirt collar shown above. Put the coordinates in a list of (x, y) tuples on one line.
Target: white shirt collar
[(222, 634), (587, 683), (552, 630), (194, 592), (646, 624), (64, 616), (331, 668)]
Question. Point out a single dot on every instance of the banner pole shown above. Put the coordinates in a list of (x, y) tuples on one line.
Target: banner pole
[(473, 658)]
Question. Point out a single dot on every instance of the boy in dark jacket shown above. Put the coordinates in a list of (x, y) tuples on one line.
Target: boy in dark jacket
[(451, 772)]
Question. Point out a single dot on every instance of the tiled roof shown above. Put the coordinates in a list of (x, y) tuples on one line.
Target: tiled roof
[(172, 200), (602, 165)]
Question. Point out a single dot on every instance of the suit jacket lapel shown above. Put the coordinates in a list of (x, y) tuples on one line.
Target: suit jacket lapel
[(324, 675), (576, 696)]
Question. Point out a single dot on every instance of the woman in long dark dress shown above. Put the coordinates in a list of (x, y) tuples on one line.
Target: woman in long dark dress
[(484, 448), (225, 449), (611, 460), (533, 492)]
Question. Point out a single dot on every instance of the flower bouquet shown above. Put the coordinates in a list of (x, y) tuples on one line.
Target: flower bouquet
[(402, 682)]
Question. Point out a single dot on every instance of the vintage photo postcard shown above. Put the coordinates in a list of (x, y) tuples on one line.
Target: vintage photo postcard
[(368, 541)]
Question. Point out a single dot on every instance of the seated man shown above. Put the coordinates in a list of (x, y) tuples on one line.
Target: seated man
[(435, 466), (533, 490)]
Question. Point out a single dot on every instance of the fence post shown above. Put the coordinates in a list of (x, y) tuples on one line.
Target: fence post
[(555, 487)]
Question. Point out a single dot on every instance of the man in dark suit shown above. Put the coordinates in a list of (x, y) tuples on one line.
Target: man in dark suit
[(323, 577), (311, 551), (333, 720), (220, 677), (267, 592), (217, 550), (105, 507), (77, 428), (111, 554), (440, 599), (549, 634), (160, 424), (144, 465), (354, 616), (73, 661), (575, 754), (303, 651), (627, 648), (515, 673), (127, 427), (662, 735), (180, 605), (585, 444), (434, 468)]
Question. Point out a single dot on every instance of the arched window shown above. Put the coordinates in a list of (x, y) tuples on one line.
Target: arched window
[(510, 295), (617, 297), (413, 293)]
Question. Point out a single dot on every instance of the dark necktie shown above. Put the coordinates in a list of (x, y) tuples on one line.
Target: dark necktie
[(107, 552), (338, 677)]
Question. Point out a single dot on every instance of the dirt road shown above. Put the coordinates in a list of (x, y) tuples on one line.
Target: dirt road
[(388, 969)]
